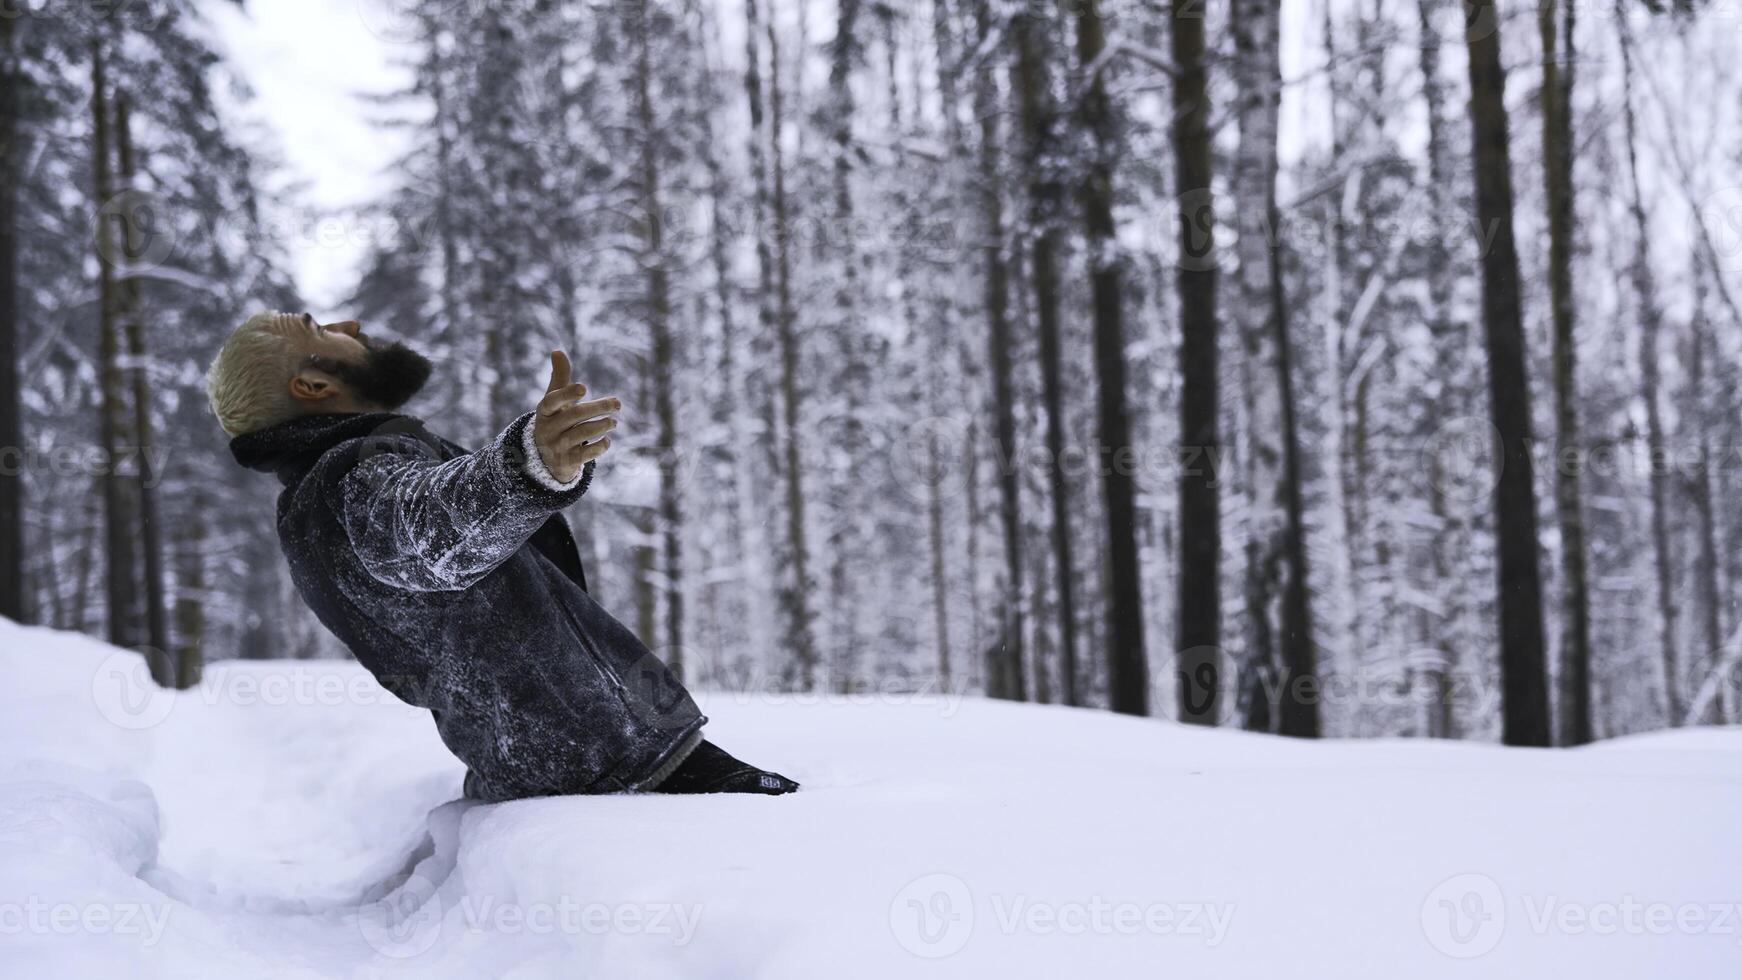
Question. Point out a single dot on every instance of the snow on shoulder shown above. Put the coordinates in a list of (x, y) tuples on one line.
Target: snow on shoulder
[(289, 819)]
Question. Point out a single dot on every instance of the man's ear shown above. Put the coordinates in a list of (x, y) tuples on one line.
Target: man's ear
[(312, 386)]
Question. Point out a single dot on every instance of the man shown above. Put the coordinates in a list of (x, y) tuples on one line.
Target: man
[(452, 576)]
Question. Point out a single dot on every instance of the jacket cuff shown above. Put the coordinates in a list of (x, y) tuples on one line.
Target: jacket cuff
[(536, 469), (523, 460)]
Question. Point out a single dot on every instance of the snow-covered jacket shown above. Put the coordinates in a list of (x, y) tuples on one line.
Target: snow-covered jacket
[(454, 579)]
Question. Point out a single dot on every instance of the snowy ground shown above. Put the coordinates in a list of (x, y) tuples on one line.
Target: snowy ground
[(290, 820)]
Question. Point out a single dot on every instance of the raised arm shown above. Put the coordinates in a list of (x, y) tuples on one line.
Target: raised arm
[(419, 523)]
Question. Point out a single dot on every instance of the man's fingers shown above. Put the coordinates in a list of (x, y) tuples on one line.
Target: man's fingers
[(593, 450), (557, 399), (585, 432), (559, 371), (578, 412), (578, 453)]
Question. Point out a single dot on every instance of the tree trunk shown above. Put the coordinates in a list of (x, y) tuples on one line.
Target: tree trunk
[(1449, 537), (1650, 325), (83, 578), (1252, 180), (761, 211), (1033, 84), (851, 547), (440, 121), (933, 340), (943, 36), (1701, 493), (743, 403), (945, 307), (150, 527), (1199, 629), (1042, 641), (12, 600), (646, 567), (190, 600), (1342, 442), (1127, 659), (797, 600), (1523, 675), (119, 523), (1557, 160), (1004, 666), (1276, 546), (665, 372)]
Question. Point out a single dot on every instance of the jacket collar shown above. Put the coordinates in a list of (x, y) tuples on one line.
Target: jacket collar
[(295, 444)]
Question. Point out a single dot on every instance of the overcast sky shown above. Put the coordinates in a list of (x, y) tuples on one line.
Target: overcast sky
[(309, 61)]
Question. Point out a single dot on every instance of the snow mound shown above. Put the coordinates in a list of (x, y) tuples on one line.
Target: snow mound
[(290, 819)]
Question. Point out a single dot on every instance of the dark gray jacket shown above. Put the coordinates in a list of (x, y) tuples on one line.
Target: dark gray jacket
[(454, 579)]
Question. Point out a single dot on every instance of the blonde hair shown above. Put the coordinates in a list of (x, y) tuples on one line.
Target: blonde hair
[(248, 382)]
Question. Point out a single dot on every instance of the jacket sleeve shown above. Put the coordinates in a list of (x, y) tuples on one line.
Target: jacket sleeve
[(422, 524)]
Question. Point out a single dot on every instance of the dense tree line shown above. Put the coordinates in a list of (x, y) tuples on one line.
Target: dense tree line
[(1367, 378), (132, 235)]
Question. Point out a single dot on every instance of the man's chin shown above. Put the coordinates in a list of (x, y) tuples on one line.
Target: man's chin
[(392, 376)]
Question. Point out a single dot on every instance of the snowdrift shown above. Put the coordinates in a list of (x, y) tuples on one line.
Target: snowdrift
[(290, 819)]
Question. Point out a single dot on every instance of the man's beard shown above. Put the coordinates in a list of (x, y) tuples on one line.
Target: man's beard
[(388, 375)]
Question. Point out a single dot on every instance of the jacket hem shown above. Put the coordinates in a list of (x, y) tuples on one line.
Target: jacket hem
[(674, 758)]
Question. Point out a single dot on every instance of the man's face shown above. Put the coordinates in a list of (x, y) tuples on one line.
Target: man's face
[(341, 341), (376, 373)]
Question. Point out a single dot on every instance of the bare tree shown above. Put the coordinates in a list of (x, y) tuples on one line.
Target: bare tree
[(12, 587), (1276, 571), (1446, 632), (1700, 490), (1650, 327), (189, 610), (1523, 672), (1557, 161), (659, 329), (119, 521), (1033, 83), (145, 479), (800, 637), (1004, 666), (1199, 617)]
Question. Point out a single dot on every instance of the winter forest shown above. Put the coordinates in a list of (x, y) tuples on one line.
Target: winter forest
[(1321, 367)]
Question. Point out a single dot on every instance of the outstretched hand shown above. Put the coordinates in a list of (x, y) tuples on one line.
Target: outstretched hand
[(570, 432)]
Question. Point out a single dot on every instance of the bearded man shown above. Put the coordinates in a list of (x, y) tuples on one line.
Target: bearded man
[(452, 576)]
